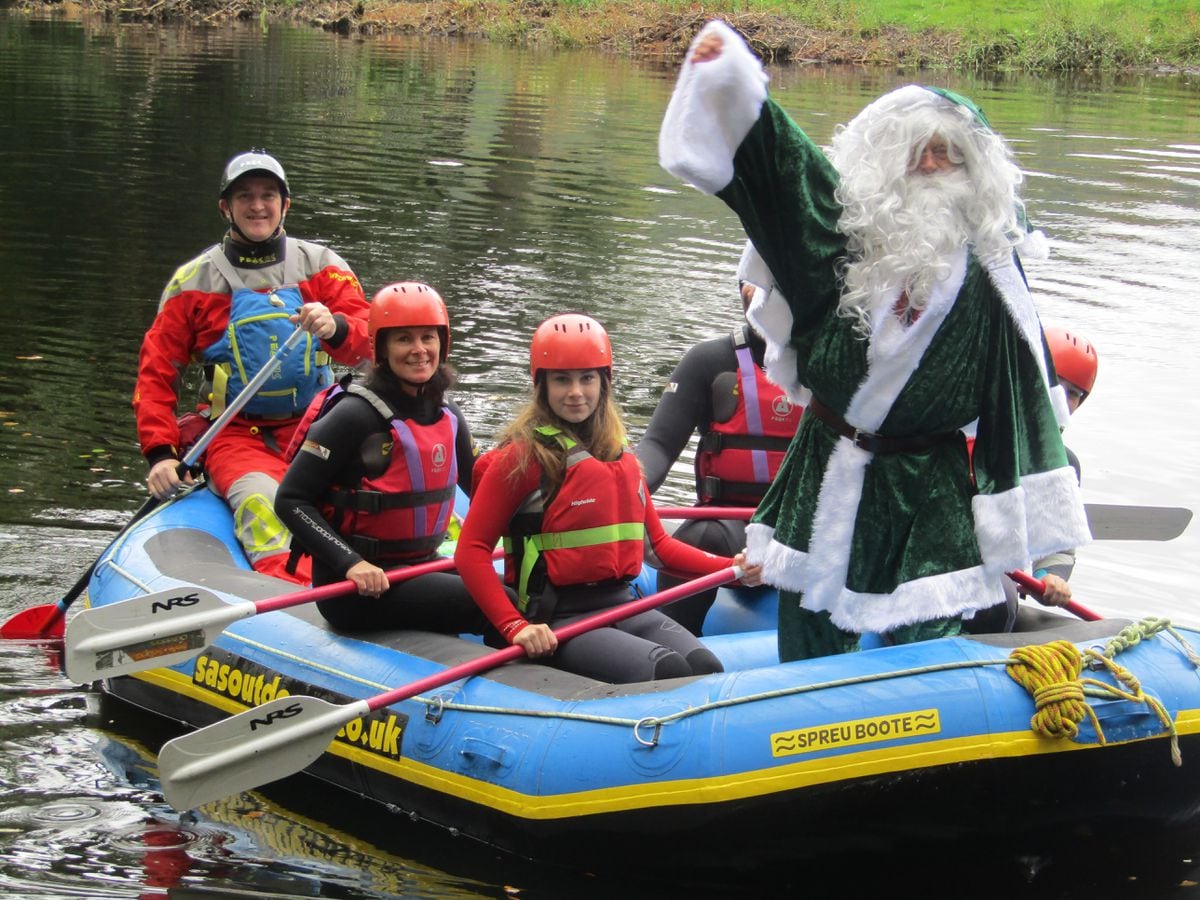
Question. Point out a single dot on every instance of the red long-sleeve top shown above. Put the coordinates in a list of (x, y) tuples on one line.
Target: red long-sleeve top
[(494, 501)]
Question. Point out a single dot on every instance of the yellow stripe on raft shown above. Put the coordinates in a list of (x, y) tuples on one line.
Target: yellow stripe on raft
[(682, 792)]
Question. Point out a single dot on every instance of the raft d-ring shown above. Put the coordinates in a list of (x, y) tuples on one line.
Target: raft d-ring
[(433, 714), (637, 731), (1091, 662)]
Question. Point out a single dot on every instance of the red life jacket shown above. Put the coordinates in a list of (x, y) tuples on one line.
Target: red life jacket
[(403, 513), (592, 529), (737, 458)]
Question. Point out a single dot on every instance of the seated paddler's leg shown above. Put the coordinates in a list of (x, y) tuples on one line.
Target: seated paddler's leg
[(719, 536), (608, 654), (1001, 617), (657, 628), (263, 536), (804, 634), (925, 631)]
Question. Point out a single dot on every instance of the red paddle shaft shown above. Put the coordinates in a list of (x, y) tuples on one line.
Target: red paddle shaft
[(1037, 587)]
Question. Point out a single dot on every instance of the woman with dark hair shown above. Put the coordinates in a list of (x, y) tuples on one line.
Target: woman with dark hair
[(573, 508), (373, 477)]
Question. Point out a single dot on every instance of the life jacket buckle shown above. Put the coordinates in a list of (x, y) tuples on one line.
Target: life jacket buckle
[(712, 487)]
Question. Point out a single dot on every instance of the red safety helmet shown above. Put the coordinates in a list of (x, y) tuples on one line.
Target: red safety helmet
[(570, 341), (409, 304), (1074, 358)]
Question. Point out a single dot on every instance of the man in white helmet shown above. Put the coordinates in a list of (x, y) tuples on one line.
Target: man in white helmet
[(890, 290), (229, 309)]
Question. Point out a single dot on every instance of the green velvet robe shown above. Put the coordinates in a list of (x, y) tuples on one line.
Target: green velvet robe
[(880, 541)]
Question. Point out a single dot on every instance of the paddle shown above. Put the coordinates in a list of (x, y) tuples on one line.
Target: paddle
[(171, 626), (287, 734), (46, 620), (1108, 521), (1037, 587), (1112, 522)]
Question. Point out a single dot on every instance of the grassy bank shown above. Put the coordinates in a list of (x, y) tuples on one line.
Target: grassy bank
[(1038, 35)]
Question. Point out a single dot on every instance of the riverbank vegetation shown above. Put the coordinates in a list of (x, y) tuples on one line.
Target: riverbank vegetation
[(1036, 35)]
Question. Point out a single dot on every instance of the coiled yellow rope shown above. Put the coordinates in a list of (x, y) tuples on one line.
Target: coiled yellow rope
[(1051, 674)]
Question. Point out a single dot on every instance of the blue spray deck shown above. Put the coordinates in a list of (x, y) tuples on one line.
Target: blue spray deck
[(761, 764)]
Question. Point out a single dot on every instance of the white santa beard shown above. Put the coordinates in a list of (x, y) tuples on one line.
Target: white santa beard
[(908, 249)]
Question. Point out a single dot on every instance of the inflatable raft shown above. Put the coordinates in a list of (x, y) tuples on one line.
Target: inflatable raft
[(763, 764)]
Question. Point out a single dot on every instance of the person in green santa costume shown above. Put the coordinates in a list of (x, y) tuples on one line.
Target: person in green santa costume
[(891, 290)]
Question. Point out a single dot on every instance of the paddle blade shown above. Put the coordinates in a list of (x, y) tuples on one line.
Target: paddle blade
[(250, 749), (45, 621), (147, 632), (1114, 522)]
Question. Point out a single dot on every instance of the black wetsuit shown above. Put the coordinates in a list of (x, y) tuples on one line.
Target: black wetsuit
[(706, 377), (352, 433)]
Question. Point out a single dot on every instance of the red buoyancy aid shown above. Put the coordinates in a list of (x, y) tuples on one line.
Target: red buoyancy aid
[(737, 458), (592, 529), (403, 513)]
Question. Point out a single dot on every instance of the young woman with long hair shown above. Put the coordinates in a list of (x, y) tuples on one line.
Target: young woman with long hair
[(572, 506)]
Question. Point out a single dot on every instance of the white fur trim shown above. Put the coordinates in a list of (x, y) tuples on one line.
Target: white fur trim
[(833, 525), (1058, 400), (713, 108), (752, 268), (896, 350), (770, 315), (1054, 513), (787, 565), (1017, 300), (1000, 530), (934, 597), (1035, 245)]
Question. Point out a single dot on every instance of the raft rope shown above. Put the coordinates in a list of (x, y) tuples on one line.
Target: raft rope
[(1051, 672), (111, 553)]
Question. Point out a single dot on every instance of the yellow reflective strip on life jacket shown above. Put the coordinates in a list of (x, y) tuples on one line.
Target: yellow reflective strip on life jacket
[(220, 384), (571, 540), (528, 560), (554, 435), (590, 537)]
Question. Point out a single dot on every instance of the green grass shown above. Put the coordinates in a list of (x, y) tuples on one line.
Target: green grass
[(1040, 35), (1027, 34)]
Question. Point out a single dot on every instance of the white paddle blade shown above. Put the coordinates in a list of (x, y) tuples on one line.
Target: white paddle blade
[(1114, 522), (146, 632), (250, 749)]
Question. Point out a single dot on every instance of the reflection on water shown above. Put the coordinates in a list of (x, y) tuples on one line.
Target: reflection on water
[(520, 183)]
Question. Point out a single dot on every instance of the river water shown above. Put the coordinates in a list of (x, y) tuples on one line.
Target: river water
[(519, 183)]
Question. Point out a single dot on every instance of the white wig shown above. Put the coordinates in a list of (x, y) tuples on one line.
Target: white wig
[(875, 154)]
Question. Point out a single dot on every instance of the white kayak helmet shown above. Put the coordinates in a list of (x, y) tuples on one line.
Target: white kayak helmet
[(253, 161)]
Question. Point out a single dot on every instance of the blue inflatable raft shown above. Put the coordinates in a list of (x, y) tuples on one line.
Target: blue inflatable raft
[(764, 764)]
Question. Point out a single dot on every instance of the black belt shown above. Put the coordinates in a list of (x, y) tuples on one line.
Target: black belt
[(878, 443)]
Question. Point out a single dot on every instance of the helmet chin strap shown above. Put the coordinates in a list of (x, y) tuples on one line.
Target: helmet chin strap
[(241, 235)]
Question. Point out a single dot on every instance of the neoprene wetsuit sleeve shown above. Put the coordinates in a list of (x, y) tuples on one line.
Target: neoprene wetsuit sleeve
[(331, 451), (685, 406)]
